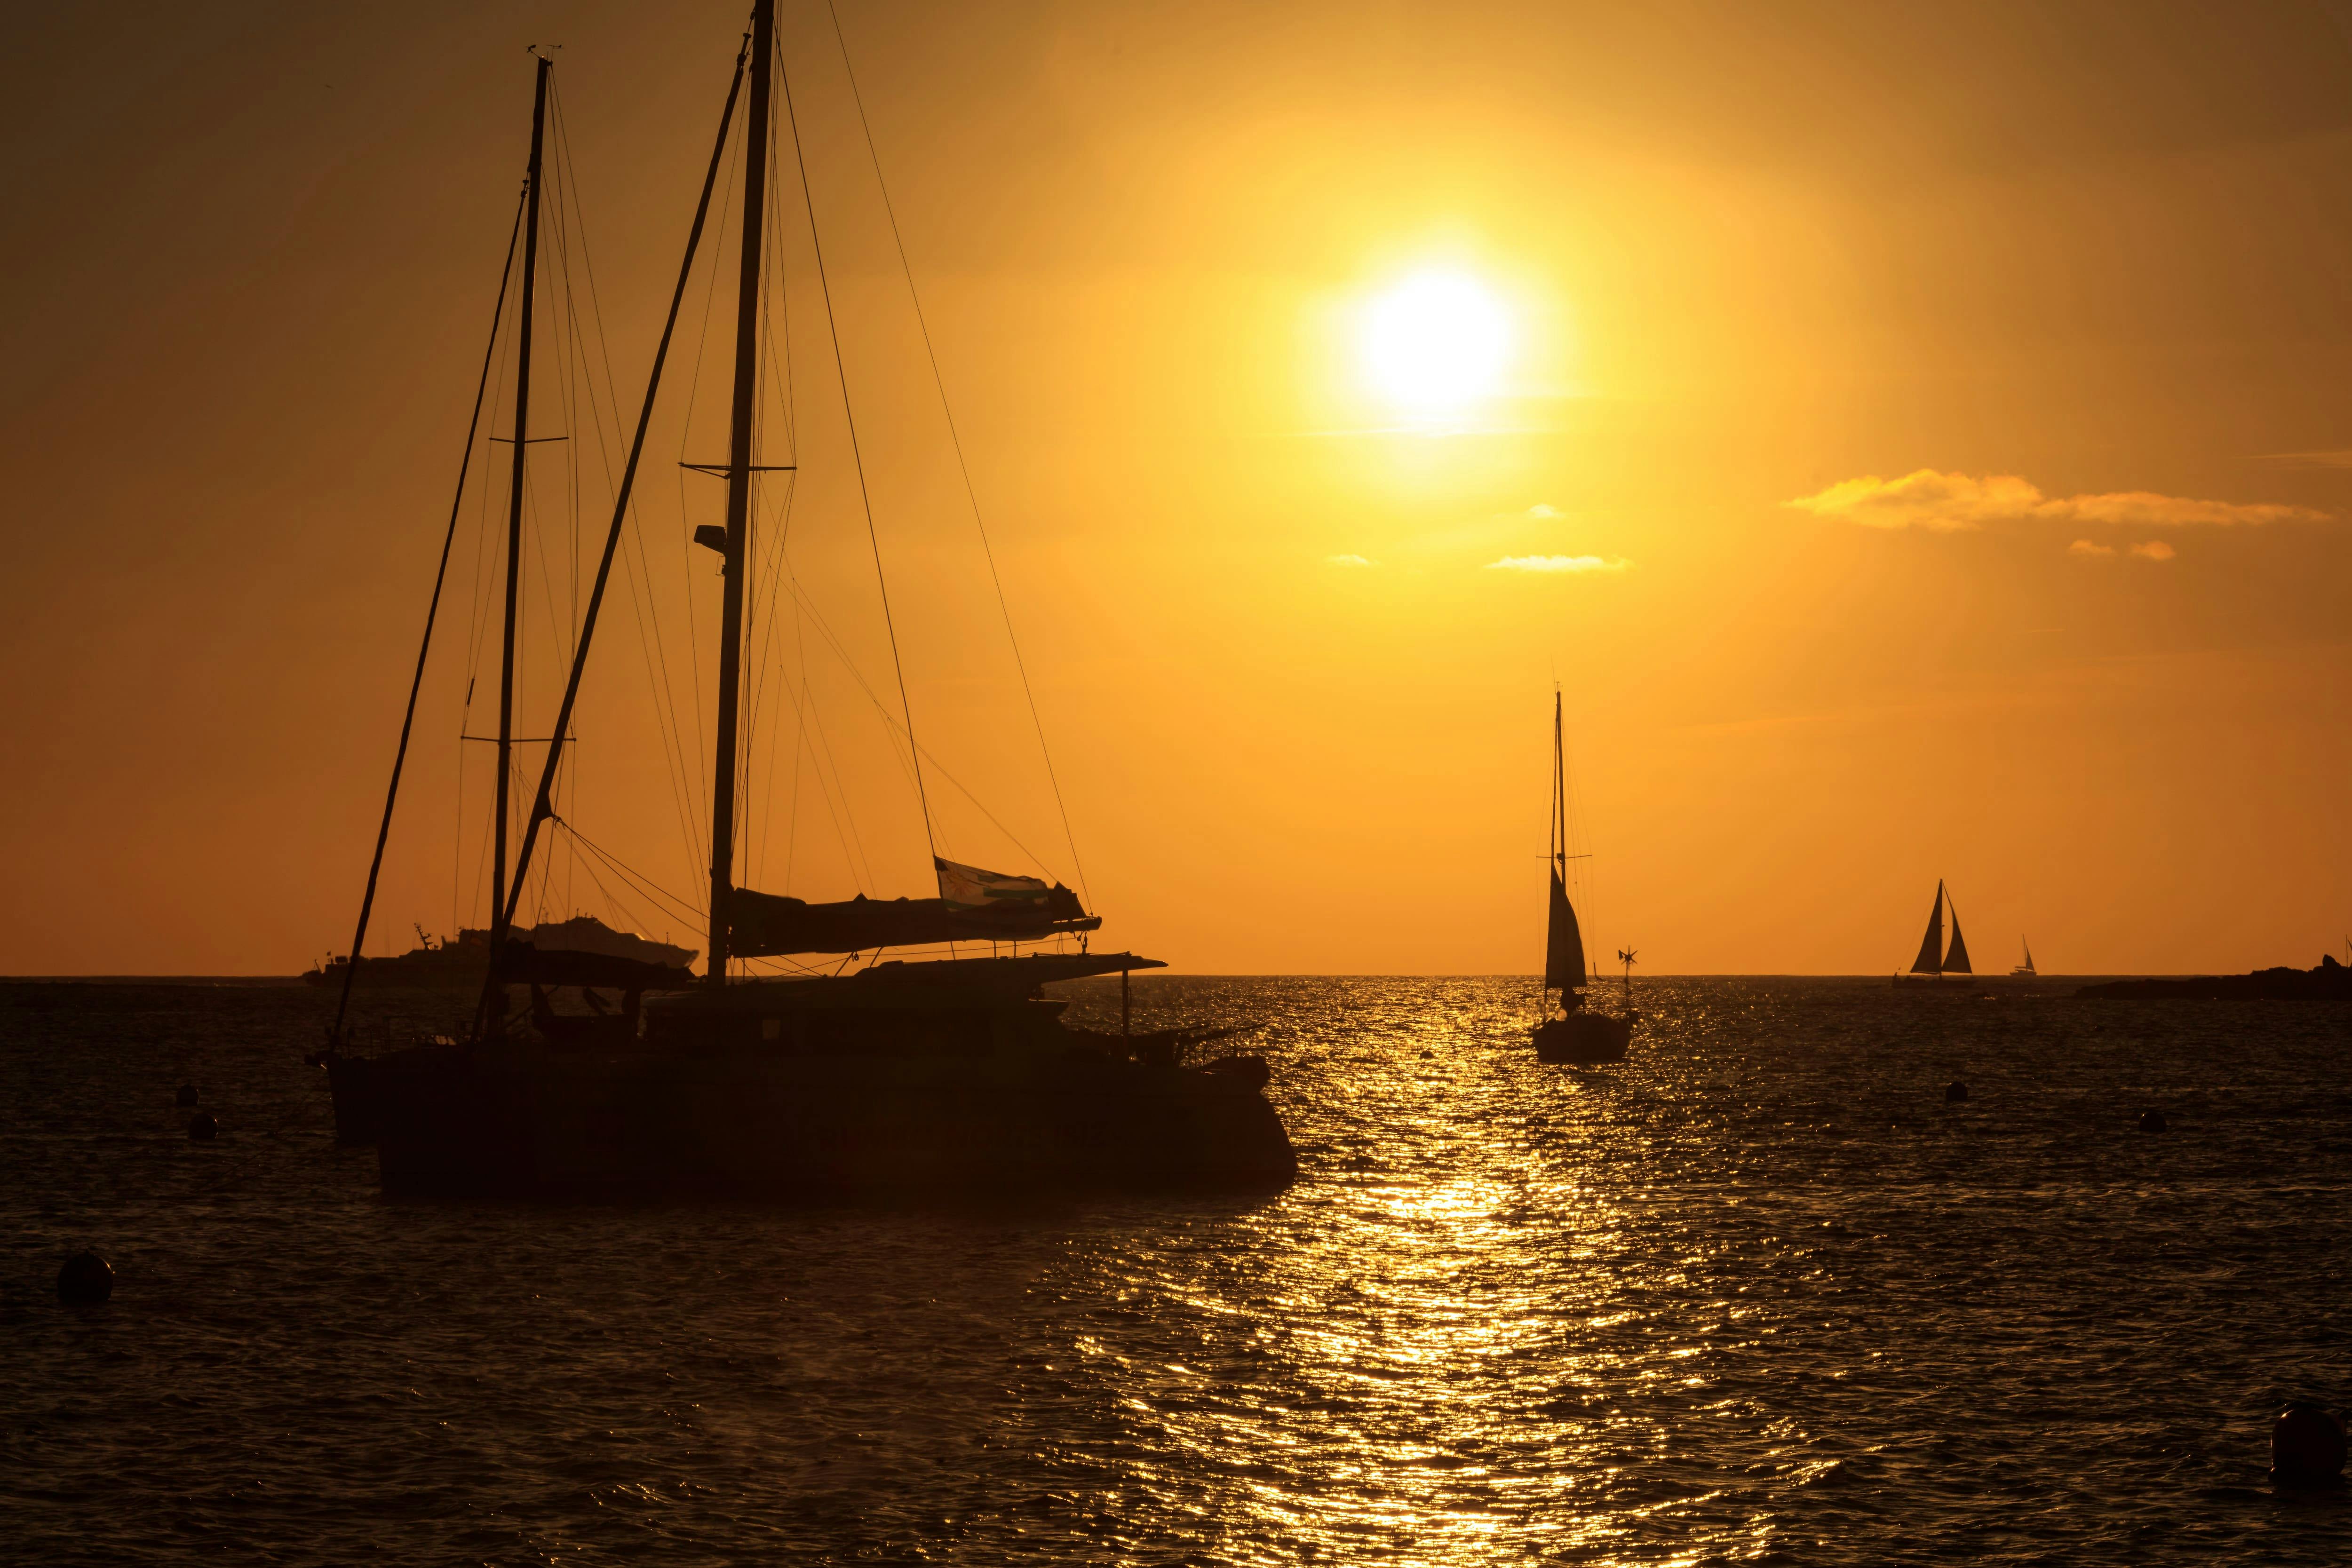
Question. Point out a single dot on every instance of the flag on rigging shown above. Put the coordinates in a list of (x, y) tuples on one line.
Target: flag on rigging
[(967, 887)]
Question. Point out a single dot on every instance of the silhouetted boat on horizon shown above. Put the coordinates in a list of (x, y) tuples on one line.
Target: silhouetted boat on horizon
[(1579, 1034), (2024, 970), (1936, 967), (461, 964), (952, 1077)]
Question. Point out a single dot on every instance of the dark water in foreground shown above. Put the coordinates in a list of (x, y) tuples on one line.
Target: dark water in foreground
[(1757, 1294)]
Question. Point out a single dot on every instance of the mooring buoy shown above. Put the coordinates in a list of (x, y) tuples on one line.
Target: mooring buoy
[(85, 1280), (2151, 1121), (1955, 1093), (2307, 1445), (203, 1128)]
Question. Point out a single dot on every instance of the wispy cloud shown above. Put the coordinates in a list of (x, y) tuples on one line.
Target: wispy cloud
[(1957, 502), (2155, 549), (1543, 509), (1350, 561), (1559, 563), (2342, 459)]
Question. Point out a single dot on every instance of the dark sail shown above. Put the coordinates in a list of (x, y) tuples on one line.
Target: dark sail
[(1564, 949), (1956, 962), (1931, 947), (763, 925)]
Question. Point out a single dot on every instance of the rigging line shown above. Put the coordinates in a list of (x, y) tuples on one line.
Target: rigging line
[(857, 456), (576, 389), (541, 804), (773, 302), (844, 820), (644, 885), (772, 642), (800, 736), (673, 735), (658, 680), (686, 545), (665, 900), (480, 611), (619, 908), (665, 713), (955, 439), (604, 354), (937, 765), (432, 612), (764, 617), (752, 710), (534, 517)]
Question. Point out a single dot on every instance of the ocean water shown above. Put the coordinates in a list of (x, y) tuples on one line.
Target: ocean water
[(1757, 1294)]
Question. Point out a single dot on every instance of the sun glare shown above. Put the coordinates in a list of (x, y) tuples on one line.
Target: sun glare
[(1436, 342)]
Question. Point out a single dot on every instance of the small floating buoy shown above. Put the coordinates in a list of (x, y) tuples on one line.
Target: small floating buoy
[(203, 1128), (1955, 1092), (2151, 1121), (2307, 1445), (186, 1095), (87, 1280)]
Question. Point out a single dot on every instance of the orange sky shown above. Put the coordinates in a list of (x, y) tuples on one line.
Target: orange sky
[(2005, 296)]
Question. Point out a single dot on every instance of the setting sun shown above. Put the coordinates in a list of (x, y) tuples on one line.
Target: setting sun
[(1436, 342)]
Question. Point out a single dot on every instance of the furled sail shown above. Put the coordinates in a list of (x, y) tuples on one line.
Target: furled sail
[(1931, 947), (1956, 962), (1564, 948), (993, 893), (764, 925)]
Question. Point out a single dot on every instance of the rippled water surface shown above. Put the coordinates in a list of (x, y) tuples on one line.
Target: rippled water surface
[(1758, 1293)]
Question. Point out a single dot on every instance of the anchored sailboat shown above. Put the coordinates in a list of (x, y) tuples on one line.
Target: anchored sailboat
[(1578, 1033), (949, 1075), (1937, 964), (2025, 970)]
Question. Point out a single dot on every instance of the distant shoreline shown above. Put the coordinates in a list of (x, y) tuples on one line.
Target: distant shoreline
[(1875, 977)]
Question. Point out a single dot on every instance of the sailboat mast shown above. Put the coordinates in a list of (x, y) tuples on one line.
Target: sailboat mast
[(514, 518), (738, 486), (1559, 817)]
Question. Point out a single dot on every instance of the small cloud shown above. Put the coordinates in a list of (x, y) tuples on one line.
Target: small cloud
[(1543, 509), (1350, 560), (1960, 502), (2155, 549), (2308, 459), (2090, 552), (1559, 563)]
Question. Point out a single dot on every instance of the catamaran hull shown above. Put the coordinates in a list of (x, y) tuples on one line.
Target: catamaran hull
[(1582, 1037), (655, 1126)]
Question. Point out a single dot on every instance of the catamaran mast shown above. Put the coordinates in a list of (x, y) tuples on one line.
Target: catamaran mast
[(514, 523), (739, 487)]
